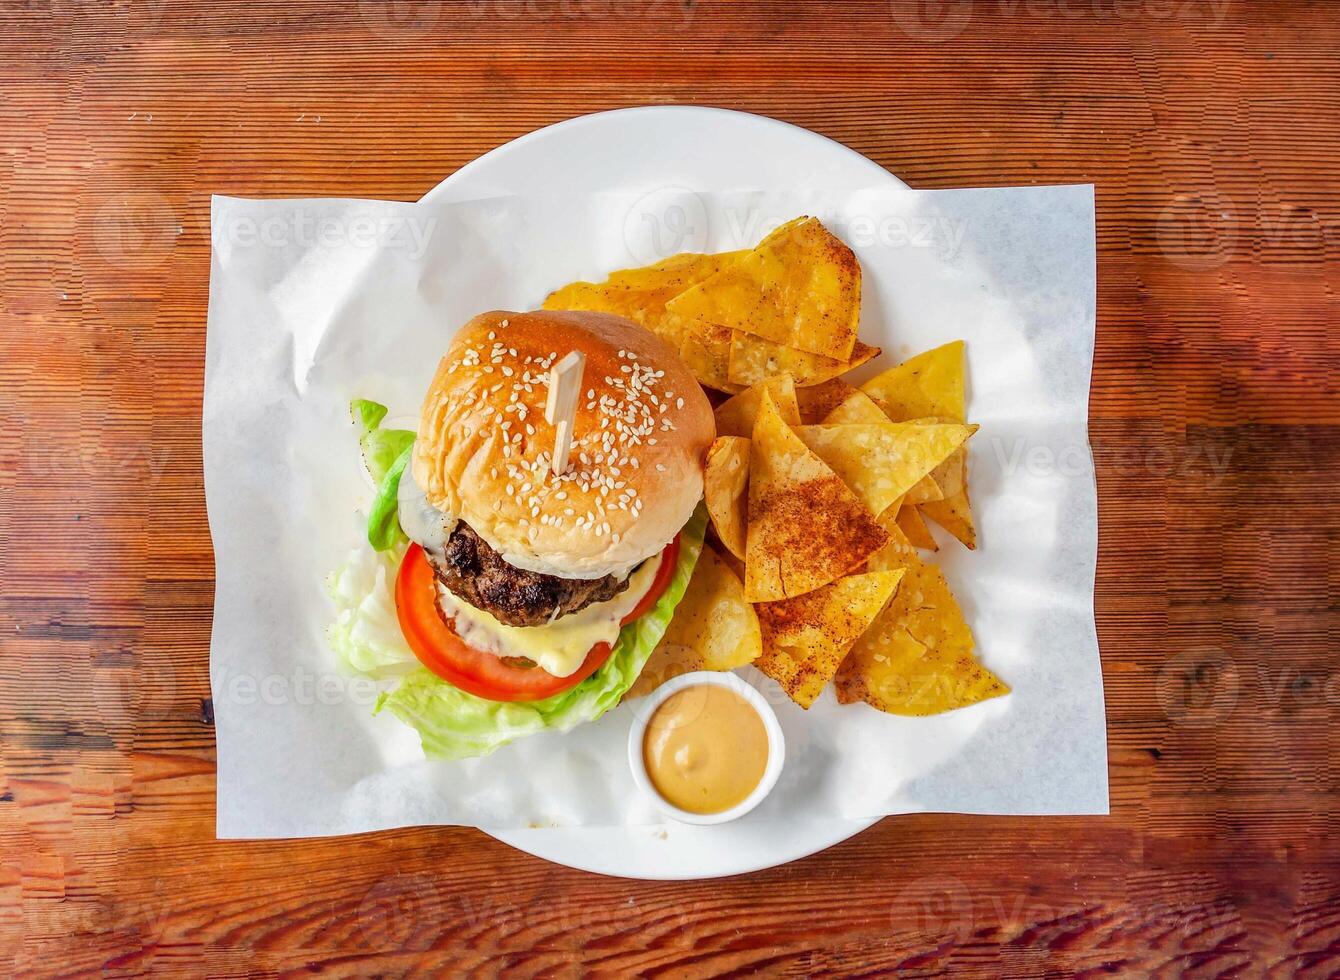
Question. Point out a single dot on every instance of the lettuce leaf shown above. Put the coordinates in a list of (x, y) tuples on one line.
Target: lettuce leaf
[(366, 632), (453, 724), (386, 453)]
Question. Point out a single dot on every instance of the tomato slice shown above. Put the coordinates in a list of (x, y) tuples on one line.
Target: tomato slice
[(480, 673)]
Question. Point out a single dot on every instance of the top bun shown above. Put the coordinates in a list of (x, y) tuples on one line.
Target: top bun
[(640, 436)]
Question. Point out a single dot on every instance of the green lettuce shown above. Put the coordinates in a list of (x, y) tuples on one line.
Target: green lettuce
[(386, 453), (366, 632)]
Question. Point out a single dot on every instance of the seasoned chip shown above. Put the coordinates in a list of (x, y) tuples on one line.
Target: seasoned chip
[(926, 489), (948, 476), (911, 524), (881, 462), (806, 638), (930, 384), (917, 656), (806, 526), (856, 409), (713, 628), (954, 514), (706, 352), (735, 416), (736, 565), (817, 401), (725, 482), (641, 294), (752, 359), (861, 408), (801, 287)]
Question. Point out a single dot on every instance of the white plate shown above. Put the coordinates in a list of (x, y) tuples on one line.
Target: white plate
[(651, 149)]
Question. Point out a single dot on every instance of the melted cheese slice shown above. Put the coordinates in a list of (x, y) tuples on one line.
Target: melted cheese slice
[(561, 646)]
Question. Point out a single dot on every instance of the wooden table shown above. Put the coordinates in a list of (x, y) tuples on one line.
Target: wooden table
[(1212, 132)]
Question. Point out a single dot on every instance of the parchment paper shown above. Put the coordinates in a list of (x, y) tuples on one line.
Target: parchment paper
[(317, 301)]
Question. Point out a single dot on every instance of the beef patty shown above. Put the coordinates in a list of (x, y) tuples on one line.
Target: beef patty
[(477, 574)]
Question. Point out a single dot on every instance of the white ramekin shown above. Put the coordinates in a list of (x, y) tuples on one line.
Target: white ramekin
[(776, 744)]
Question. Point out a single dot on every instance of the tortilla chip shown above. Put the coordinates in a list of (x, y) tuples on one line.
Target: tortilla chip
[(725, 482), (817, 401), (948, 476), (806, 638), (736, 565), (801, 287), (884, 461), (735, 416), (930, 384), (954, 514), (911, 524), (926, 489), (753, 359), (641, 294), (857, 408), (713, 628), (706, 352), (806, 526), (917, 656)]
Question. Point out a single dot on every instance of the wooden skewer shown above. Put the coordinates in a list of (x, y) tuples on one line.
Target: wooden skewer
[(565, 384)]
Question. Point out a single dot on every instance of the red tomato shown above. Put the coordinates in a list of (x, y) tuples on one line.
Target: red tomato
[(483, 674)]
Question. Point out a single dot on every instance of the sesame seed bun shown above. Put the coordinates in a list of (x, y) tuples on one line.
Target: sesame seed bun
[(640, 436)]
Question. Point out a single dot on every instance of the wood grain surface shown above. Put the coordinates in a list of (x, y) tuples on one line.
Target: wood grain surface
[(1212, 132)]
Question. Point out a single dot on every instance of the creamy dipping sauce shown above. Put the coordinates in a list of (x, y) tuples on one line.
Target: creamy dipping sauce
[(705, 749)]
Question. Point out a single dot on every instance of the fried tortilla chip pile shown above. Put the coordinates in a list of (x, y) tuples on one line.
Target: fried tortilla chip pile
[(818, 491), (789, 306)]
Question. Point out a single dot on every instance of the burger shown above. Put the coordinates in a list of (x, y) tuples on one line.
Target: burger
[(505, 591)]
